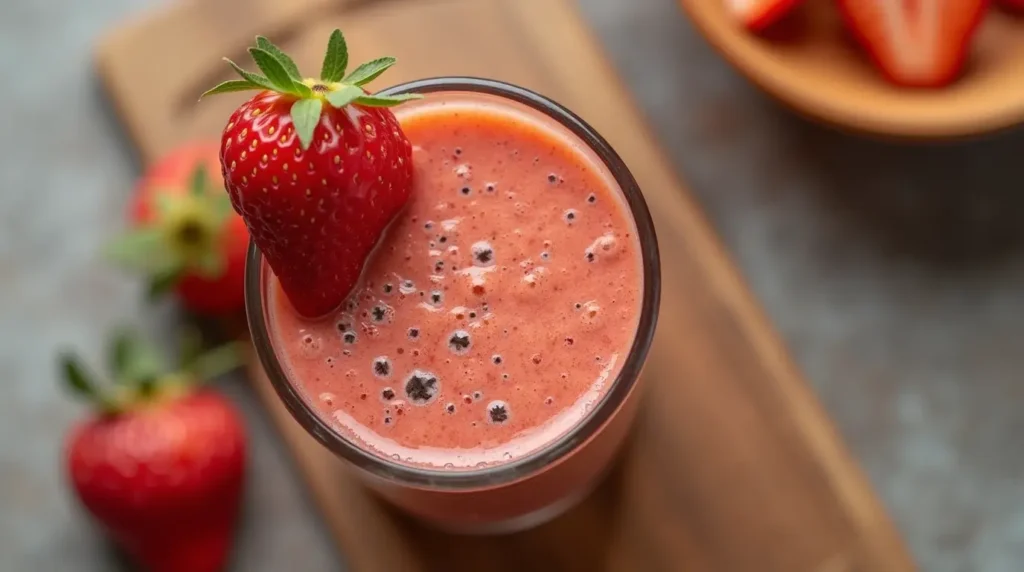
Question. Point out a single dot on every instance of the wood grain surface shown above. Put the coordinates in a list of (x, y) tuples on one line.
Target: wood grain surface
[(734, 465)]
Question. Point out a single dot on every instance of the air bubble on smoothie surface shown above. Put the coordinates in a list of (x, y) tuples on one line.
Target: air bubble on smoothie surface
[(605, 245), (459, 342), (327, 398), (422, 387), (464, 171), (310, 345), (590, 313), (381, 366), (497, 412), (344, 324), (483, 253), (407, 287), (436, 298), (381, 313)]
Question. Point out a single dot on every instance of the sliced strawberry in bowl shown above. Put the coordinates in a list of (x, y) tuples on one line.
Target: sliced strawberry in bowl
[(757, 15), (316, 167), (1011, 5), (915, 43)]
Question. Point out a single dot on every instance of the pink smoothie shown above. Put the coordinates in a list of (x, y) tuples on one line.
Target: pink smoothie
[(496, 311)]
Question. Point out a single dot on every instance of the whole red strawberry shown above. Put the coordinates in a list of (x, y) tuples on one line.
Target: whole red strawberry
[(184, 234), (316, 167), (162, 464)]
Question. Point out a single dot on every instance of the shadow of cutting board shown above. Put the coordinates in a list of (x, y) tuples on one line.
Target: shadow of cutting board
[(734, 465)]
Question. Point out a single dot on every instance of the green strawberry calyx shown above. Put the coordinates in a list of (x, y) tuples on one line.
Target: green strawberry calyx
[(185, 236), (333, 87), (139, 375)]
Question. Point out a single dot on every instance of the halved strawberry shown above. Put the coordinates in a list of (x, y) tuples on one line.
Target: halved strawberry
[(919, 43), (757, 15)]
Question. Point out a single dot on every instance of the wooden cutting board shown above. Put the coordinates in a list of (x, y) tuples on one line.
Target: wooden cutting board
[(734, 465)]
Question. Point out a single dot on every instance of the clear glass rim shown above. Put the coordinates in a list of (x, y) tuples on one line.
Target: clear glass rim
[(579, 434)]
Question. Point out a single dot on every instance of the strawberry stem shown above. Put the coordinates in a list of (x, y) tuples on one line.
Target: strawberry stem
[(82, 384), (132, 360), (216, 362), (281, 75), (139, 374)]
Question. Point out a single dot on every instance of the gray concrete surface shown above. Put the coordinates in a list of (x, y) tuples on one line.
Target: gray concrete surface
[(895, 274)]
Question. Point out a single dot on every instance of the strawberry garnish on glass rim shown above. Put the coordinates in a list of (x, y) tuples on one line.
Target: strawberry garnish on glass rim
[(317, 168)]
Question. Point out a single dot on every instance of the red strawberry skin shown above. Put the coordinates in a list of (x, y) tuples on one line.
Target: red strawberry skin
[(1012, 5), (223, 295), (165, 479), (910, 48), (757, 15), (315, 214)]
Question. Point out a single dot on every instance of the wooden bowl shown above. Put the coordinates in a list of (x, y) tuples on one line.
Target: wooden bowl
[(810, 63)]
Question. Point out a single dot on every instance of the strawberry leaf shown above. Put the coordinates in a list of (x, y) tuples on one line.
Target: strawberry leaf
[(232, 86), (211, 264), (191, 347), (303, 90), (135, 249), (386, 100), (134, 361), (199, 182), (217, 361), (162, 280), (345, 96), (221, 206), (369, 71), (120, 353), (274, 69), (76, 378), (253, 78), (305, 116), (164, 202), (287, 62), (336, 59)]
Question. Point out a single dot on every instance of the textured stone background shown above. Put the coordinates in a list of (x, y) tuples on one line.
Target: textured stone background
[(894, 273)]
